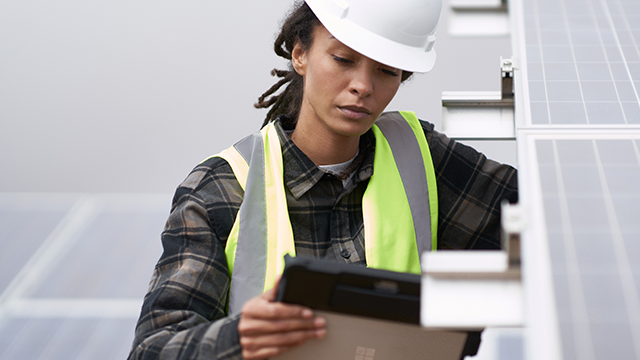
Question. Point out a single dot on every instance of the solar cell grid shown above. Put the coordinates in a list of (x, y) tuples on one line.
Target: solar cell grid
[(579, 114), (583, 61), (591, 200)]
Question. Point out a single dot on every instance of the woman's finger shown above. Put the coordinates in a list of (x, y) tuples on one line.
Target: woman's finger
[(280, 340), (261, 308), (252, 326), (263, 353)]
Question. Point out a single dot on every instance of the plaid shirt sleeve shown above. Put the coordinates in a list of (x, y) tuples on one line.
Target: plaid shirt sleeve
[(470, 190), (183, 315)]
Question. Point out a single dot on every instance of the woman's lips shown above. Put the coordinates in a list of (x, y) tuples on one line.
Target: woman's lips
[(355, 112)]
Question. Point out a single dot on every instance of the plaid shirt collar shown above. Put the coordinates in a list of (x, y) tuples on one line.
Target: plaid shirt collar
[(301, 174)]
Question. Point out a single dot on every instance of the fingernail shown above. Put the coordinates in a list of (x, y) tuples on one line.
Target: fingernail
[(321, 333), (306, 313), (319, 322)]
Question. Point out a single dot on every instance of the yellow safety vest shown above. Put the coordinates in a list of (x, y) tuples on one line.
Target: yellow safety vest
[(395, 206)]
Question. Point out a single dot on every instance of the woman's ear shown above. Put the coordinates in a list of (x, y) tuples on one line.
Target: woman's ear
[(299, 59)]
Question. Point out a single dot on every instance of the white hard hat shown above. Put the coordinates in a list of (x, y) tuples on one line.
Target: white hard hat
[(398, 33)]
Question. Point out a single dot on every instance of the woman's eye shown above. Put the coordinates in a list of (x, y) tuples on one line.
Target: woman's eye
[(390, 72), (342, 60)]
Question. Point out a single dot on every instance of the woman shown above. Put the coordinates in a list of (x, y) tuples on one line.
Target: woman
[(321, 130)]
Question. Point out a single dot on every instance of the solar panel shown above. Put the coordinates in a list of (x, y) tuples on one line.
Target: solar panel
[(75, 272), (583, 61), (584, 189), (584, 198), (59, 338), (128, 277), (578, 111)]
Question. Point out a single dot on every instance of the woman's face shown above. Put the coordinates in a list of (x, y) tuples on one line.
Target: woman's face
[(344, 92)]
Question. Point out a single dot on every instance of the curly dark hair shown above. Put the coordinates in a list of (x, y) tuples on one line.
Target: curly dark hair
[(298, 26)]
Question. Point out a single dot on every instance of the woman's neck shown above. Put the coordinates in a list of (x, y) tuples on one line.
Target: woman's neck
[(322, 146)]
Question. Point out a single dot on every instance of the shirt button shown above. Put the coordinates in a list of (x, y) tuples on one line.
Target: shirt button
[(345, 254)]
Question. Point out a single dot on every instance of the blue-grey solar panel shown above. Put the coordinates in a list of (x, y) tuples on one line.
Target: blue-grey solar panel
[(26, 221), (79, 266), (115, 259), (67, 339), (591, 201), (22, 234), (583, 61)]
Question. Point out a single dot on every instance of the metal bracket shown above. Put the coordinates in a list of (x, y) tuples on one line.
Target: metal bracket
[(513, 223), (486, 98), (479, 5), (482, 115), (506, 72)]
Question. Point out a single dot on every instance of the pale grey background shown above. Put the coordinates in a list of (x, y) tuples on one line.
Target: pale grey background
[(106, 97), (128, 96)]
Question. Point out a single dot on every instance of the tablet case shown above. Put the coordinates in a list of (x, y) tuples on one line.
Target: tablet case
[(350, 289), (362, 295)]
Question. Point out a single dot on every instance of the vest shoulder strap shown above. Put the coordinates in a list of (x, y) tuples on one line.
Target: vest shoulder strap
[(401, 196)]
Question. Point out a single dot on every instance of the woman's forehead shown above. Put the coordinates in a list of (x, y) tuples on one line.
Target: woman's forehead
[(322, 37), (321, 33)]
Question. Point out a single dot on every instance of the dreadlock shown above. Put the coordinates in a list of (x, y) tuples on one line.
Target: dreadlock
[(297, 27)]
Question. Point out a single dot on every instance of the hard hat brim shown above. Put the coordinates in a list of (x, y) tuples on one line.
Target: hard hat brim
[(374, 46)]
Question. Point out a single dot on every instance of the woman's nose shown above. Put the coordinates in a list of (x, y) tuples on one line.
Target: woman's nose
[(362, 84)]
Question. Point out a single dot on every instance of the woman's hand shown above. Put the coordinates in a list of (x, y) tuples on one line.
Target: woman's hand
[(268, 328)]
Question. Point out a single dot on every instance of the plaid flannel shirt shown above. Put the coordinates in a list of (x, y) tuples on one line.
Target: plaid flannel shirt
[(183, 316)]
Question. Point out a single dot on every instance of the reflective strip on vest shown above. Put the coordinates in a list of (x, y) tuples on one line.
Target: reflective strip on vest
[(261, 234), (395, 206)]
